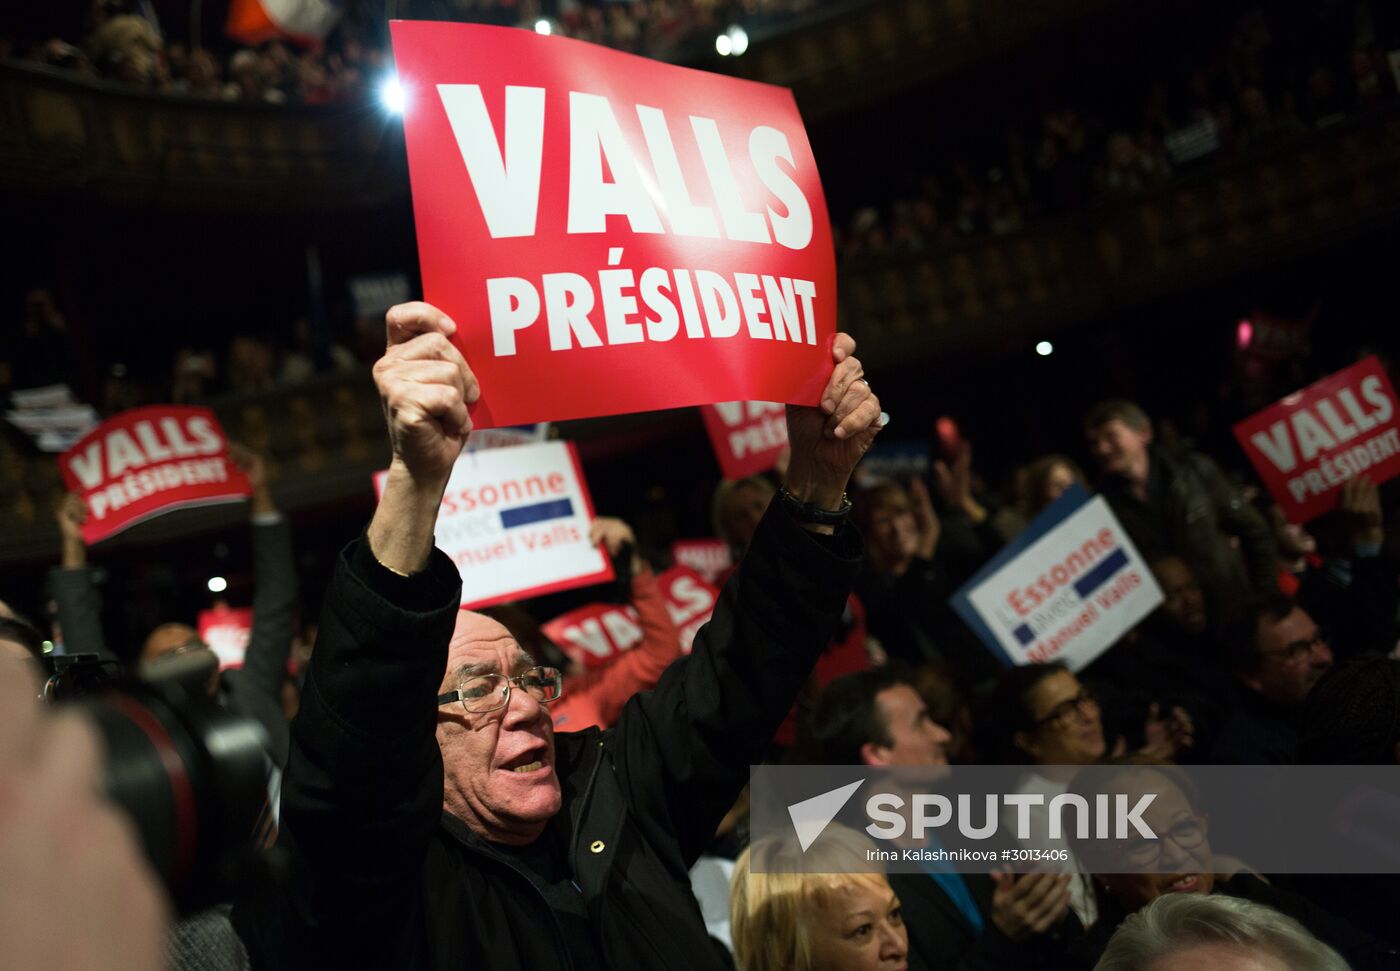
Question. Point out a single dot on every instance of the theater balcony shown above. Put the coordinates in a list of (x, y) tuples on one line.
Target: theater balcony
[(861, 51), (1323, 188), (110, 145)]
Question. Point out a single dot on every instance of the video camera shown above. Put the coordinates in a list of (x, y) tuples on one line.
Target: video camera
[(190, 774)]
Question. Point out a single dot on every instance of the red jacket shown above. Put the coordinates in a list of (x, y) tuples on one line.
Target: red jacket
[(595, 698)]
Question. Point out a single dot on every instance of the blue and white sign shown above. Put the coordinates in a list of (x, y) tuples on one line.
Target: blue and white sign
[(515, 521), (892, 462), (1066, 589)]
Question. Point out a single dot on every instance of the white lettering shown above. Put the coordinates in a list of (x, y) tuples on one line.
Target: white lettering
[(507, 185), (594, 135), (568, 300), (739, 223), (766, 146), (513, 304), (686, 218)]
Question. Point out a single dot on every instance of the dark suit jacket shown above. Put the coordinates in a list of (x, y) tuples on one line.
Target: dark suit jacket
[(941, 939)]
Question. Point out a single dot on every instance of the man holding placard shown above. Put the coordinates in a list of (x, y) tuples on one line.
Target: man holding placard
[(434, 817)]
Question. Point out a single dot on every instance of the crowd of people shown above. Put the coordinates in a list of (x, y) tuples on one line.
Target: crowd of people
[(447, 787), (502, 801), (1279, 73), (43, 351), (125, 43)]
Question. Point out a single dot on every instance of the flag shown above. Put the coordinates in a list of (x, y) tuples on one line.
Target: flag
[(306, 22)]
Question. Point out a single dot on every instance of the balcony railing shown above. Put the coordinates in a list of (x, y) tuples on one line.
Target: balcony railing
[(114, 145), (1328, 185), (117, 146)]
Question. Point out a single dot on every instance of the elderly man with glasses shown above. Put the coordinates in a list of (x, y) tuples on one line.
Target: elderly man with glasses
[(433, 816)]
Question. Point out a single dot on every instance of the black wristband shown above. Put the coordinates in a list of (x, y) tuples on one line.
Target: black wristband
[(808, 512)]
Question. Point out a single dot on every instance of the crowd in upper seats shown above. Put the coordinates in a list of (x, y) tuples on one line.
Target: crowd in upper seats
[(123, 41), (1236, 89)]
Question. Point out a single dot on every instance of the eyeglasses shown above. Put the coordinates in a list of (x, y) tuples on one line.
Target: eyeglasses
[(1083, 703), (487, 692), (1298, 649), (1187, 833)]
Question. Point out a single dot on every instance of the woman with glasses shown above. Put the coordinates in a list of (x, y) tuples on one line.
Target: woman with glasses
[(1131, 873), (1041, 715)]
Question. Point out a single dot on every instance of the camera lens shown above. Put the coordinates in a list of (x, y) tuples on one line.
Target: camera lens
[(191, 776)]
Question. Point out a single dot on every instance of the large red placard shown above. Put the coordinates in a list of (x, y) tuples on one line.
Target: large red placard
[(613, 234)]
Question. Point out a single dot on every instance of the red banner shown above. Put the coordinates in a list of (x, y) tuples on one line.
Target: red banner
[(690, 598), (226, 630), (610, 233), (708, 557), (594, 634), (747, 435), (147, 461), (1308, 445)]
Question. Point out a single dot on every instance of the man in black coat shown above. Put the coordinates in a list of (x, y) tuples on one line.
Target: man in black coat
[(425, 836), (1178, 501)]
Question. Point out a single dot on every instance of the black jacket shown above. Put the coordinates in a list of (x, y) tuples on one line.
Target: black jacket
[(1257, 732), (942, 939), (1190, 510), (384, 879)]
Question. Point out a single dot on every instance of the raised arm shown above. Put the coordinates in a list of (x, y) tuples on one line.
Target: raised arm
[(714, 712), (257, 687), (72, 587), (597, 697), (362, 793), (425, 387)]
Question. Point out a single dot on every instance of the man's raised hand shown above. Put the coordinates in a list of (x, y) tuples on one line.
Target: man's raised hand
[(425, 386), (828, 441)]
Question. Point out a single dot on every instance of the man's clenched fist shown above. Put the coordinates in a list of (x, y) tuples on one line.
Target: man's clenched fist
[(425, 386)]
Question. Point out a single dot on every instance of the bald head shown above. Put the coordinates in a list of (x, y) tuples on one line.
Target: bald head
[(167, 638), (480, 645)]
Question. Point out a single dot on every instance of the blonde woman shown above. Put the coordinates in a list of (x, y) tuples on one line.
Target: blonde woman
[(788, 921)]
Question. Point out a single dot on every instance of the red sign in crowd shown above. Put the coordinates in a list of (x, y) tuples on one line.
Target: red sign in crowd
[(1308, 445), (227, 630), (594, 634), (747, 436), (708, 557), (610, 233), (148, 461)]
